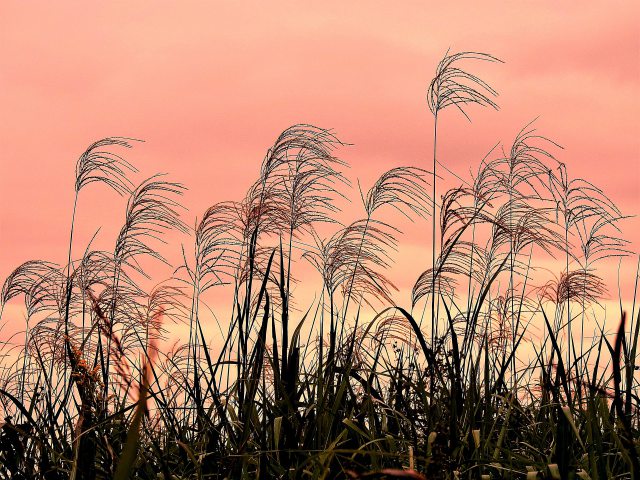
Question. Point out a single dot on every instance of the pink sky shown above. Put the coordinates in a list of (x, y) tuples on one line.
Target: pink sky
[(209, 86)]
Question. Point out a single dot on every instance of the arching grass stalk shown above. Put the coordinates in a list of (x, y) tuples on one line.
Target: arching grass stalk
[(452, 86), (101, 166)]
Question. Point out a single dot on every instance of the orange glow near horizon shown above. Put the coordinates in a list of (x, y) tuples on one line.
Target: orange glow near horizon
[(209, 87)]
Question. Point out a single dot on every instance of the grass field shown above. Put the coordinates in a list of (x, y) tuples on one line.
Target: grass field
[(351, 385)]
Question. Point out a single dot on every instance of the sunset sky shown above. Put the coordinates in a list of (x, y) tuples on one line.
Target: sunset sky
[(209, 86)]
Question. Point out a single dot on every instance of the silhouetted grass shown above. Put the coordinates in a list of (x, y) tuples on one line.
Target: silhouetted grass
[(351, 385)]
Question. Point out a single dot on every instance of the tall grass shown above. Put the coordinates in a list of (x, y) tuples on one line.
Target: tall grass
[(507, 382)]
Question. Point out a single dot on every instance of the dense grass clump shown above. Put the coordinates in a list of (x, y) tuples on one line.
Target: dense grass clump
[(496, 367)]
